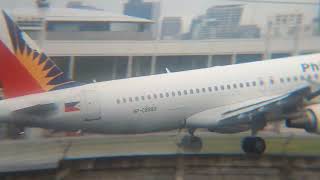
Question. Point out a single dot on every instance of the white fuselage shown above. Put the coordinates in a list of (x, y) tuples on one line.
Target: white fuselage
[(164, 102)]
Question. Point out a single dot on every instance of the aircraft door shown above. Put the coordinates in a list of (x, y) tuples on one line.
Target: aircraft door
[(91, 106)]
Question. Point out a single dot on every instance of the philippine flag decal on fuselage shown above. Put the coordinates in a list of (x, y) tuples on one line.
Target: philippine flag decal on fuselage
[(72, 106)]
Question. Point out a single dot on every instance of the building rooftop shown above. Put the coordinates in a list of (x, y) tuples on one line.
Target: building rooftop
[(68, 14), (227, 6)]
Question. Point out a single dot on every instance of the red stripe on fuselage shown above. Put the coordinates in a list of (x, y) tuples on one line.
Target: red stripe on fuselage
[(15, 79)]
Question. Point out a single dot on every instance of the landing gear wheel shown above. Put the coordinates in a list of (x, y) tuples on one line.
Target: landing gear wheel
[(191, 144), (253, 145)]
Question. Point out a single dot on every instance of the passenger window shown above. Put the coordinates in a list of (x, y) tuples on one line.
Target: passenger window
[(118, 101), (161, 95), (167, 95), (316, 76), (288, 79), (191, 91), (222, 87), (309, 77), (185, 92), (295, 78), (235, 86), (302, 77), (247, 84), (124, 100), (173, 94), (142, 98), (137, 98), (261, 82), (198, 91), (210, 89), (155, 96), (281, 80), (149, 97), (130, 99), (271, 81), (228, 87), (216, 88), (179, 93), (204, 90), (241, 85)]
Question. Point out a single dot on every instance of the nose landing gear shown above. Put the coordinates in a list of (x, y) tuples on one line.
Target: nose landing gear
[(191, 143)]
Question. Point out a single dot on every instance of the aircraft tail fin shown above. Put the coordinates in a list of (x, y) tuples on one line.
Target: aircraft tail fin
[(24, 69)]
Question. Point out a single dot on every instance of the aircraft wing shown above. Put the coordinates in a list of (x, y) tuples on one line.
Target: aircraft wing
[(37, 110), (238, 117)]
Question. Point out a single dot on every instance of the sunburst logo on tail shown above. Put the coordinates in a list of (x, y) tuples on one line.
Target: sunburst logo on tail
[(42, 69)]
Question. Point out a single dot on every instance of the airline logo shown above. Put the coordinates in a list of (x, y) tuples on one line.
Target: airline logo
[(310, 67), (25, 70), (72, 107)]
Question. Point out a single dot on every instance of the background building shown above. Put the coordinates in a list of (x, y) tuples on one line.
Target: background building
[(171, 28), (146, 10), (222, 22), (81, 24), (92, 45), (289, 25), (81, 5)]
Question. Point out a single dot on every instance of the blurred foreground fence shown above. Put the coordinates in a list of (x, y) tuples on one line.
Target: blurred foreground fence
[(156, 157)]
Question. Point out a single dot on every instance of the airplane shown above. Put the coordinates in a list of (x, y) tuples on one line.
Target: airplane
[(227, 99)]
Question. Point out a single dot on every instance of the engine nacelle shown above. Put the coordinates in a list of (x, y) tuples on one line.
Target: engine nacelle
[(308, 120)]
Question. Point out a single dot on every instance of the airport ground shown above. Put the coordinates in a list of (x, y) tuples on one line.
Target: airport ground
[(156, 156)]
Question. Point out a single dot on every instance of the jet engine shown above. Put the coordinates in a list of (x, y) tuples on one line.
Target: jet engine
[(309, 119)]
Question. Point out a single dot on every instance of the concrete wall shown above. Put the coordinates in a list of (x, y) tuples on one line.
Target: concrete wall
[(181, 48), (175, 167)]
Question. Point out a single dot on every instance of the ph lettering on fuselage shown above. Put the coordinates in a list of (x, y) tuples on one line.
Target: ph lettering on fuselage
[(310, 67)]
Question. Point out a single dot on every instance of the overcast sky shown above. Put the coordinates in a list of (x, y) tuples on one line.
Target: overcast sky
[(255, 13)]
